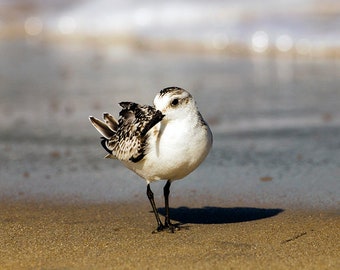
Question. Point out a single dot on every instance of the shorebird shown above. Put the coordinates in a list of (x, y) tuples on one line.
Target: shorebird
[(166, 141)]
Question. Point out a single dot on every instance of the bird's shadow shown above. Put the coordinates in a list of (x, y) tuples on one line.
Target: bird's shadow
[(219, 215)]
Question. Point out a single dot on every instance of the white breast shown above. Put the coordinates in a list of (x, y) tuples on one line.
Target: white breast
[(176, 148)]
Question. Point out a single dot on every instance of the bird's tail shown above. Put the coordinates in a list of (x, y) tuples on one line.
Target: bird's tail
[(107, 128)]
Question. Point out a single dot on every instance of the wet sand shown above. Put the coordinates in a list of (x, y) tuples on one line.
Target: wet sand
[(41, 235)]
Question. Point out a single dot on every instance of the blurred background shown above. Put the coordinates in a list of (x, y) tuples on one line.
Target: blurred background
[(242, 28), (265, 75)]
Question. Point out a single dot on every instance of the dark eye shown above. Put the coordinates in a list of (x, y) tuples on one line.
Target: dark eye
[(174, 102)]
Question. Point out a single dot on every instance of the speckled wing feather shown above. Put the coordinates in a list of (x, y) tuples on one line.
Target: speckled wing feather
[(130, 140)]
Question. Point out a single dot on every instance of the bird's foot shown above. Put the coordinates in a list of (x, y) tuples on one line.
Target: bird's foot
[(168, 226), (160, 228), (172, 227)]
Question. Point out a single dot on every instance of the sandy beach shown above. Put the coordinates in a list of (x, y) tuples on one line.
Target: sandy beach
[(118, 236), (266, 197)]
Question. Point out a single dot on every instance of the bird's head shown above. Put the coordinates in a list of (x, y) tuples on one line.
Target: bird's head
[(175, 103)]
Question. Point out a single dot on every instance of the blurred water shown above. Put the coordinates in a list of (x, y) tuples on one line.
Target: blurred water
[(275, 124), (290, 27)]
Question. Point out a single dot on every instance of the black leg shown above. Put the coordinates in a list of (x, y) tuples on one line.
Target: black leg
[(167, 222), (149, 193)]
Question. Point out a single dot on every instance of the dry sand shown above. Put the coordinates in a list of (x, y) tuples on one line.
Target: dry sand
[(42, 235)]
